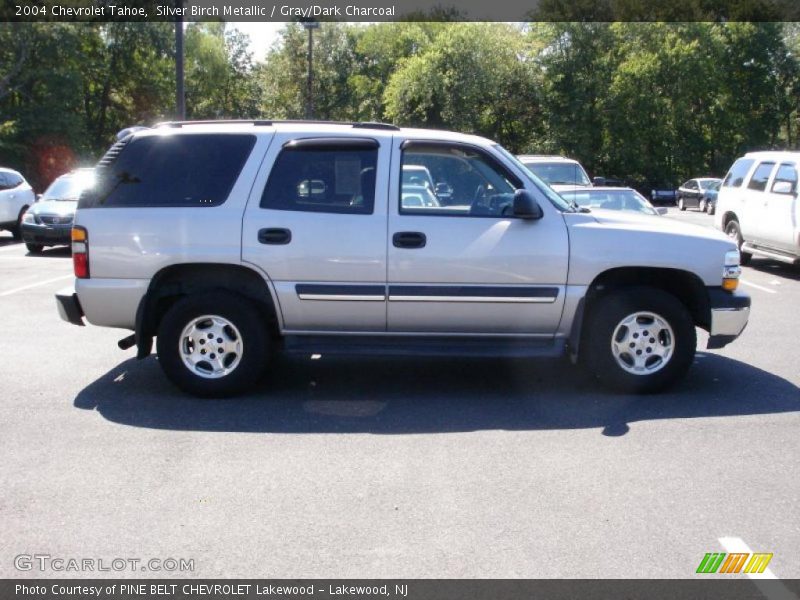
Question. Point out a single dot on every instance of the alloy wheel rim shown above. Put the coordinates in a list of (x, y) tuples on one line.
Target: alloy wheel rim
[(643, 343), (210, 346)]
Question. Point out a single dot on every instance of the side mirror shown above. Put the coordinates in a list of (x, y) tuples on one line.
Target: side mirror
[(661, 210), (599, 181), (38, 197), (783, 187), (526, 207)]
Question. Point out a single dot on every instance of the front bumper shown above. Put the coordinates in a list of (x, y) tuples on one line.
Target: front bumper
[(729, 315), (69, 308), (46, 235)]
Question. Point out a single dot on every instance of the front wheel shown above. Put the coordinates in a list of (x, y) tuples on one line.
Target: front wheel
[(703, 206), (639, 340), (681, 204), (213, 344), (34, 248)]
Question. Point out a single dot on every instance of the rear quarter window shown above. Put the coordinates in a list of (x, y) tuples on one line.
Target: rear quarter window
[(171, 170)]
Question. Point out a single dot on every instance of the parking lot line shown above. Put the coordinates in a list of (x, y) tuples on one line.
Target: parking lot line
[(776, 590), (758, 287), (33, 285)]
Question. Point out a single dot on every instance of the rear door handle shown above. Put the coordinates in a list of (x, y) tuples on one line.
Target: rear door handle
[(274, 236), (409, 239)]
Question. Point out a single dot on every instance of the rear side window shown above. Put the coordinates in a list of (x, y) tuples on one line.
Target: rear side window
[(738, 172), (323, 176), (758, 181), (172, 170)]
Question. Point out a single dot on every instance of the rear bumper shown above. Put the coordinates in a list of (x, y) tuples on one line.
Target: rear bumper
[(69, 307), (729, 315), (46, 234)]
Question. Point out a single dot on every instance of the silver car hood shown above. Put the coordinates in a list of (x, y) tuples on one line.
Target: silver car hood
[(629, 220)]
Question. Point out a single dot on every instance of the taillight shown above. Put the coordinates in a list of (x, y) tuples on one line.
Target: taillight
[(80, 252)]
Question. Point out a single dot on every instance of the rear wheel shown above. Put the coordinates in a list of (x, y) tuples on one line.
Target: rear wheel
[(639, 340), (213, 344), (34, 248), (16, 232), (734, 231)]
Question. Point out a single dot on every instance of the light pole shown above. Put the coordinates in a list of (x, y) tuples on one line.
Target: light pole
[(180, 96), (310, 26)]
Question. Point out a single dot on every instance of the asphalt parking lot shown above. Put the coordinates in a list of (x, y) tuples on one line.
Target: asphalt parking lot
[(395, 468)]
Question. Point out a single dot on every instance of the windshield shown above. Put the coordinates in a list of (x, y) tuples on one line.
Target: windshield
[(628, 200), (559, 173), (554, 198), (68, 187)]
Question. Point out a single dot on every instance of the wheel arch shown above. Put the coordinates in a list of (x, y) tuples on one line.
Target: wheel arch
[(686, 286), (176, 281)]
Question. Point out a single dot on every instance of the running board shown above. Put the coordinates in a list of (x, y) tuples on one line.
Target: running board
[(773, 254), (398, 345)]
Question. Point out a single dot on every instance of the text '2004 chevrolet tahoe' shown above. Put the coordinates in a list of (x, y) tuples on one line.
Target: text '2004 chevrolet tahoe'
[(223, 240)]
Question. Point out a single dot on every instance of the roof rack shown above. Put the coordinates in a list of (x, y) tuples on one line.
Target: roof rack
[(269, 122)]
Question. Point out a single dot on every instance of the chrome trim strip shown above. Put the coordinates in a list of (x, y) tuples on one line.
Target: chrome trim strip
[(496, 299), (342, 297)]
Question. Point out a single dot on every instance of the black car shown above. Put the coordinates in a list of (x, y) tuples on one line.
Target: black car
[(700, 193)]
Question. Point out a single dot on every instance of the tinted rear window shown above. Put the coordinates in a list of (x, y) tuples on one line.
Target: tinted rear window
[(172, 170), (738, 171)]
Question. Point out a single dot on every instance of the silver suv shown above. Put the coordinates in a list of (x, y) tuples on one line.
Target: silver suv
[(225, 240)]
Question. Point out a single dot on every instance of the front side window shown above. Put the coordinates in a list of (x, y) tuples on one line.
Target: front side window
[(171, 171), (758, 181), (466, 182), (738, 172), (323, 178), (786, 174), (691, 185)]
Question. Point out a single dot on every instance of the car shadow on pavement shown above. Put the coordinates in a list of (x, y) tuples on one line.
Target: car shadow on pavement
[(401, 396), (778, 269), (52, 252)]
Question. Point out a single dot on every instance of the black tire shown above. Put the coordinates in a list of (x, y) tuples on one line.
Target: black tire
[(34, 248), (16, 231), (235, 309), (734, 231), (681, 204), (703, 206), (711, 208), (603, 319)]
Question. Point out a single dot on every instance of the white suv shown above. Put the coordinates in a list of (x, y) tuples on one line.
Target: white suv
[(16, 196), (758, 207)]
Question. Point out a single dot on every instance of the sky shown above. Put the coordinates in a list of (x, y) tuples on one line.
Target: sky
[(261, 36)]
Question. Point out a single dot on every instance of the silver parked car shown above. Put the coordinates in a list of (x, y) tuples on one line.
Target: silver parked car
[(613, 198), (224, 240), (16, 195), (49, 221)]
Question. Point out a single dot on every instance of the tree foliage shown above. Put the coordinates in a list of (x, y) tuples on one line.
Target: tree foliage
[(650, 102)]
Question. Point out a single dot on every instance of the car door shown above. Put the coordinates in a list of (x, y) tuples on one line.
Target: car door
[(316, 225), (9, 206), (463, 265), (689, 193), (753, 219), (781, 210)]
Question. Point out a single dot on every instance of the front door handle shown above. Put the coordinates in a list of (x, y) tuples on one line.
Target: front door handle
[(274, 236), (409, 239)]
